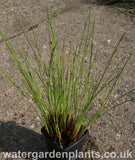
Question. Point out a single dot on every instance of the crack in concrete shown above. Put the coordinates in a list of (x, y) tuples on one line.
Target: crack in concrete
[(55, 14), (20, 33)]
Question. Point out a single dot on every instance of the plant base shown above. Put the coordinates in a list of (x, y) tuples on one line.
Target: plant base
[(70, 152)]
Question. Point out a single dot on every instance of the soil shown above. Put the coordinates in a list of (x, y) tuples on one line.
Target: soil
[(19, 130)]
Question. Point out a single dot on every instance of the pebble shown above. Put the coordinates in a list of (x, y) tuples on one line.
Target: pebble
[(12, 9), (44, 46), (6, 94), (119, 91), (22, 122), (118, 135), (108, 41), (7, 112), (21, 116), (103, 123), (38, 118), (32, 126), (111, 149)]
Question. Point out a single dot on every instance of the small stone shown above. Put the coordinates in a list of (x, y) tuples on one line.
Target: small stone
[(44, 46), (22, 123), (119, 91), (109, 41), (32, 126), (111, 149), (6, 94), (17, 98), (103, 123), (15, 114), (86, 60), (37, 118), (115, 96), (7, 112), (21, 116), (118, 135)]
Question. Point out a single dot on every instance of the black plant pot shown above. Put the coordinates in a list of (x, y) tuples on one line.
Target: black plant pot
[(63, 154)]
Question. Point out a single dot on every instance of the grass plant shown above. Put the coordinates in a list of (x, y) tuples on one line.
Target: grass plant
[(56, 87)]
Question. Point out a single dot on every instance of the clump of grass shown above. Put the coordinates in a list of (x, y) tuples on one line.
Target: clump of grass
[(67, 136), (56, 87)]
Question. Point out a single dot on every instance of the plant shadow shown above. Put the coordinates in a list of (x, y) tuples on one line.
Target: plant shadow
[(14, 138)]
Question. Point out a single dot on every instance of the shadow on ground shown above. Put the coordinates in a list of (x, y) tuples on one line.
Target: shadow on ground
[(123, 4), (17, 139), (14, 138)]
